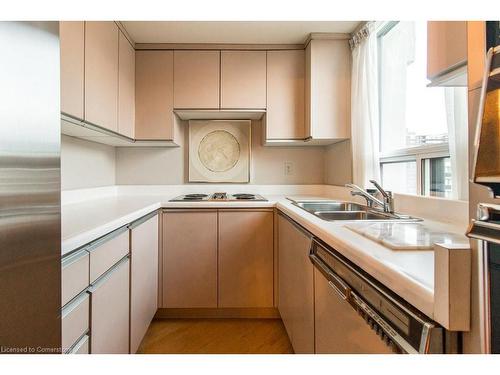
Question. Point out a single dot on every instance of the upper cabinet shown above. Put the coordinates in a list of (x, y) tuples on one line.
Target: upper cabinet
[(328, 90), (243, 80), (126, 87), (196, 79), (101, 74), (154, 95), (72, 39), (446, 52), (285, 95)]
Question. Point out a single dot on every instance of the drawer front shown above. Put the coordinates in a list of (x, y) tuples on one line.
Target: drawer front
[(110, 311), (75, 275), (82, 346), (107, 251), (75, 320)]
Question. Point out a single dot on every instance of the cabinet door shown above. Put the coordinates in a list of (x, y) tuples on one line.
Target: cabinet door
[(328, 89), (245, 258), (189, 259), (72, 37), (446, 46), (196, 79), (296, 286), (109, 304), (285, 95), (101, 74), (243, 79), (143, 279), (154, 95), (126, 87)]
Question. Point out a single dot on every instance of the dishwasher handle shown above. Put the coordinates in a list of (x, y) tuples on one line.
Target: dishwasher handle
[(337, 284)]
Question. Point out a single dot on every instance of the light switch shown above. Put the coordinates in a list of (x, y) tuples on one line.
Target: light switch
[(288, 168)]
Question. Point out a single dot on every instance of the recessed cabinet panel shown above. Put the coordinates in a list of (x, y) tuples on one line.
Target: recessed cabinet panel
[(296, 285), (126, 87), (245, 258), (143, 279), (196, 79), (285, 94), (243, 79), (328, 89), (154, 95), (101, 74), (189, 259), (109, 304), (72, 37)]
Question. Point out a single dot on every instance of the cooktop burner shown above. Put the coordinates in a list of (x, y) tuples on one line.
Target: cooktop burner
[(218, 197), (244, 196)]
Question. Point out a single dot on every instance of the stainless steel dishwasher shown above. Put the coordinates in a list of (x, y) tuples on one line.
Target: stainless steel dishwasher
[(355, 314)]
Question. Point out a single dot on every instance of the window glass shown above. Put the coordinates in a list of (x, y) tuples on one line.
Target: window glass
[(437, 178), (399, 177), (411, 114)]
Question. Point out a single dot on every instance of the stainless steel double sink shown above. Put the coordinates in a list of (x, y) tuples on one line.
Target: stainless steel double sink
[(349, 211)]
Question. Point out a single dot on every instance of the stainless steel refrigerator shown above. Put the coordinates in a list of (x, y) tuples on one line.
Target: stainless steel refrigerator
[(30, 224)]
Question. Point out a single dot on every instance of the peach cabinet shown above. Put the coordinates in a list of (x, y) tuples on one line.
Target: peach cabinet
[(101, 74), (154, 95), (72, 37), (446, 47), (296, 285), (109, 311), (243, 80), (328, 89), (245, 258), (196, 79), (285, 95), (143, 277), (126, 87), (189, 259)]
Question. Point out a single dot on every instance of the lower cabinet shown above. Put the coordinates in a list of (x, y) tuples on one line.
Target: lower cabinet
[(190, 259), (296, 285), (246, 258), (143, 277), (109, 311)]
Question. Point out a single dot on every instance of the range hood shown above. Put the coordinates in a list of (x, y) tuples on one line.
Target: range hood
[(220, 114), (487, 141)]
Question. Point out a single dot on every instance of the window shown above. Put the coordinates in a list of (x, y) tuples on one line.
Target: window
[(414, 118)]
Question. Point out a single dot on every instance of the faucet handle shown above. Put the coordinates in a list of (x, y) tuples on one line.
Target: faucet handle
[(379, 188)]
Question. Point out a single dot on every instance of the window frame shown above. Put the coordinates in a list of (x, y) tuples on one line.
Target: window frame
[(411, 153)]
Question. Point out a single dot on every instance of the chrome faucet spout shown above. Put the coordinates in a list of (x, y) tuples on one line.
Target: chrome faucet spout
[(388, 202)]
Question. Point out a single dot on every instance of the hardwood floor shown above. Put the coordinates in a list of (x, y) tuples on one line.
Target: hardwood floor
[(216, 336)]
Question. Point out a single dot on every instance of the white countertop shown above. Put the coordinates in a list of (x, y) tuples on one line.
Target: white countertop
[(409, 273)]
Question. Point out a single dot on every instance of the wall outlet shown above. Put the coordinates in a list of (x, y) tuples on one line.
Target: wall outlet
[(288, 168)]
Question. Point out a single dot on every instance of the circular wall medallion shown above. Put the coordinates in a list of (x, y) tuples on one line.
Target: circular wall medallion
[(219, 151)]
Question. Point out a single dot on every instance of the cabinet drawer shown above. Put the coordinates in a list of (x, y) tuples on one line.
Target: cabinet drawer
[(82, 346), (110, 311), (108, 250), (75, 275), (75, 320)]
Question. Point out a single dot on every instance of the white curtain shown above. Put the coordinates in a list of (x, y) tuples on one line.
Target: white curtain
[(364, 108), (456, 116)]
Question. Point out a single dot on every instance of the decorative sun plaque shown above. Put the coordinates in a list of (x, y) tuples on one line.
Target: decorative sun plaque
[(219, 151)]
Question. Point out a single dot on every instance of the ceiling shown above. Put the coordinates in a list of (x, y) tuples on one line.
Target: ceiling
[(245, 32)]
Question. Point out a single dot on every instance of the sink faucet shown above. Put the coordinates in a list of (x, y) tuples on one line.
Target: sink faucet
[(387, 202)]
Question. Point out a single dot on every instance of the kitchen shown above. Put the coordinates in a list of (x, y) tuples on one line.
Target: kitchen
[(250, 187)]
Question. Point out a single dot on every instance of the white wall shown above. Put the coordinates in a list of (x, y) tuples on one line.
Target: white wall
[(158, 166), (86, 164)]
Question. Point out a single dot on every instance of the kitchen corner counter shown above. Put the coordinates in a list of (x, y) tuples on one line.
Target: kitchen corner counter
[(408, 273)]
